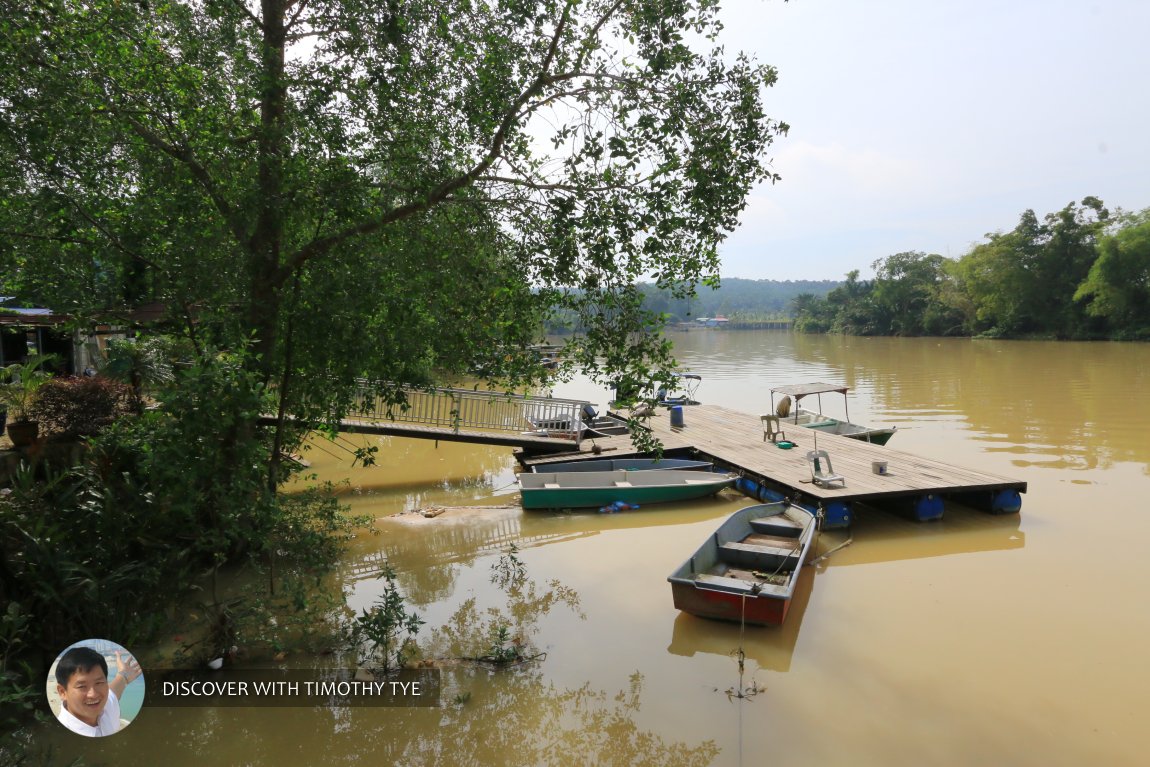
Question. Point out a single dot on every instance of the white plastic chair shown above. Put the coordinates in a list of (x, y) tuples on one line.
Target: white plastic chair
[(771, 428), (822, 473)]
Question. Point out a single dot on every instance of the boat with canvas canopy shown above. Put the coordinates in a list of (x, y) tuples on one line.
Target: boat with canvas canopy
[(789, 411), (686, 387)]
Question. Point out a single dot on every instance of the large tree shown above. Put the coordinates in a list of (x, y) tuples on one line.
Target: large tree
[(375, 188), (1118, 285), (908, 298), (1024, 281)]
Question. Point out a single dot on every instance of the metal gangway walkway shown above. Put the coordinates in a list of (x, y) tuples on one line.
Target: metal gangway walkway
[(534, 423)]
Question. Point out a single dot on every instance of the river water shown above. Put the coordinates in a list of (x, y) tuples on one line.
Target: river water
[(1014, 639)]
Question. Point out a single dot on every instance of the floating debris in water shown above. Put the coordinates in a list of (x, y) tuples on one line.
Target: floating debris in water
[(431, 512)]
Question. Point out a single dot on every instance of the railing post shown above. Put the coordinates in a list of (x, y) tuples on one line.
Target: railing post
[(577, 423)]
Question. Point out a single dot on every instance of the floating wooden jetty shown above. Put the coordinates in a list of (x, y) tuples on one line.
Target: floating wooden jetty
[(730, 439), (734, 440)]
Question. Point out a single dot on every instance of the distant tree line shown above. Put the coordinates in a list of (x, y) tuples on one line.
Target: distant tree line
[(1079, 273), (735, 299)]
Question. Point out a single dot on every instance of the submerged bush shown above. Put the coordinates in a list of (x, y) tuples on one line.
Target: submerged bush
[(382, 628)]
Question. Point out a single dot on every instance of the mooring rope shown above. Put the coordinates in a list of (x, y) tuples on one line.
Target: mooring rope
[(741, 654), (842, 545), (512, 483), (742, 631)]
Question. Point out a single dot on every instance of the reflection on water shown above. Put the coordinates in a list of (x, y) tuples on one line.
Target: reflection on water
[(887, 537), (764, 649), (513, 717), (409, 473), (1012, 639)]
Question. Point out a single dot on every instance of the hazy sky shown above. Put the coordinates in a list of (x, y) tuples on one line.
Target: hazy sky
[(925, 124)]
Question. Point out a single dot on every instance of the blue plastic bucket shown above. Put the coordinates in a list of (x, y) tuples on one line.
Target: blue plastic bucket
[(676, 415)]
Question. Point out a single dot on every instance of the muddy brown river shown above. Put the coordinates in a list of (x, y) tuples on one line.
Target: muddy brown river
[(1017, 639)]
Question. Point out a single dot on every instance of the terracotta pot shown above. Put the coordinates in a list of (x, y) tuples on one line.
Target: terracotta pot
[(23, 433)]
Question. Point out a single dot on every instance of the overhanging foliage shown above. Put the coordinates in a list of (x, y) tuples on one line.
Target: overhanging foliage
[(376, 189)]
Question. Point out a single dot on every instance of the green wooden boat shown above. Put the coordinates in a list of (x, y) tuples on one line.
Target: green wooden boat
[(626, 464), (597, 489)]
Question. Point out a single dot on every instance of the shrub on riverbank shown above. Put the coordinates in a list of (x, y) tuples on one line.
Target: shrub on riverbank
[(159, 502), (80, 406)]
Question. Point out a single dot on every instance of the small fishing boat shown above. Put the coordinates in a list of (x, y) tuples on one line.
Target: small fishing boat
[(747, 569), (815, 419), (626, 464), (590, 424), (687, 386), (589, 489)]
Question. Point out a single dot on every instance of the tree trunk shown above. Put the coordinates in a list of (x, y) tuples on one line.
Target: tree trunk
[(266, 244)]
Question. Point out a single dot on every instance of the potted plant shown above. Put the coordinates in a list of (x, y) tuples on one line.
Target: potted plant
[(19, 383)]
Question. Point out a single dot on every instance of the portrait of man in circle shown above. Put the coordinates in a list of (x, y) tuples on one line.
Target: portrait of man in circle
[(89, 702)]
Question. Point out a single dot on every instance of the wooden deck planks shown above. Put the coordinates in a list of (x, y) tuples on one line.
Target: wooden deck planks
[(736, 439)]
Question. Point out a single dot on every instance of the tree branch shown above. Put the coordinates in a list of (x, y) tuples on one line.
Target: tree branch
[(111, 237), (295, 16), (296, 37), (185, 156), (594, 31), (241, 5), (444, 190), (46, 238), (563, 187)]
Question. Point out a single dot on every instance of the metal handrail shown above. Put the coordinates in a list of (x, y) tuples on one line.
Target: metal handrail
[(475, 409)]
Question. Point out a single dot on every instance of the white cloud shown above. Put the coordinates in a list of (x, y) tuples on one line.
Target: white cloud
[(923, 126)]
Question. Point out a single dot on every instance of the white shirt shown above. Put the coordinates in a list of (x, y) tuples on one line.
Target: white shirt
[(108, 722)]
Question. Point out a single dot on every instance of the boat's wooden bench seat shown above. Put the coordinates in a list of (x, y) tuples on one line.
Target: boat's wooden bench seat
[(784, 527), (758, 548), (737, 585), (760, 556), (772, 541)]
